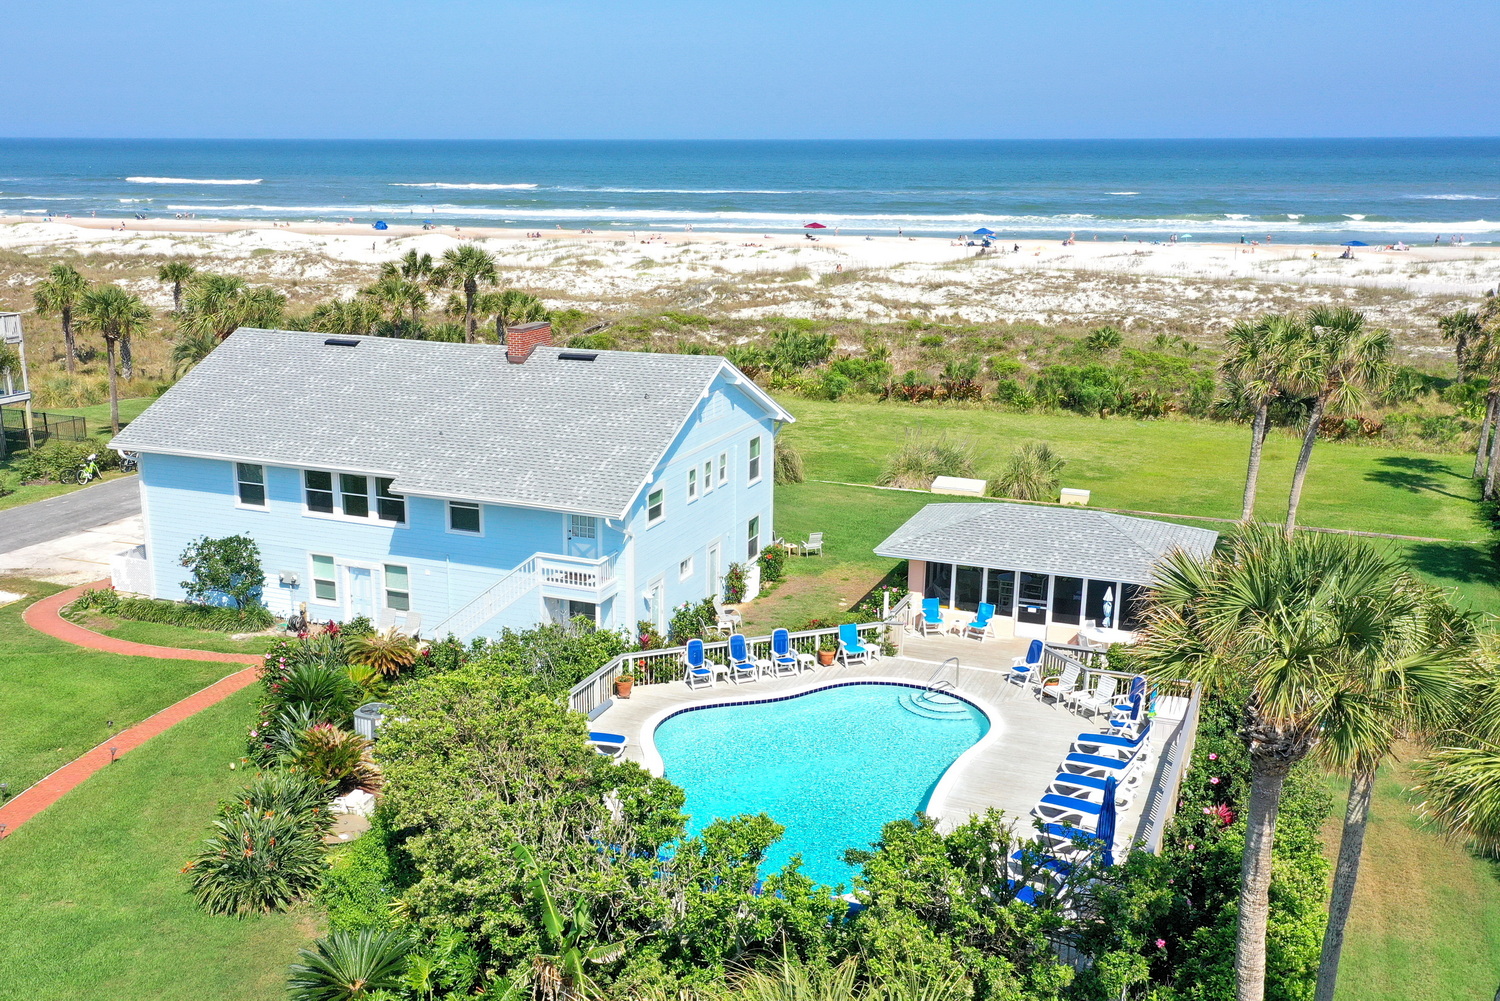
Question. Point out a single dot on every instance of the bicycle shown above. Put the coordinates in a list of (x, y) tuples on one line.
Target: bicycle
[(88, 471), (128, 463)]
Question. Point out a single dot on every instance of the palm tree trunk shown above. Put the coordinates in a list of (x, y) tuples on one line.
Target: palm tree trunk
[(68, 343), (1309, 438), (177, 297), (1257, 443), (1267, 775), (127, 359), (1493, 465), (114, 387), (471, 323), (499, 328), (1481, 453), (1345, 874)]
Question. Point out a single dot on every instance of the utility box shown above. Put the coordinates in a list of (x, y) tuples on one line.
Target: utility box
[(958, 486), (367, 719)]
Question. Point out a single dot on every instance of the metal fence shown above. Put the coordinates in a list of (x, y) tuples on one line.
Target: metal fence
[(45, 426)]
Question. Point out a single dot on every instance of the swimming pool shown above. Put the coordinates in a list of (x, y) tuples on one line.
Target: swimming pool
[(833, 764)]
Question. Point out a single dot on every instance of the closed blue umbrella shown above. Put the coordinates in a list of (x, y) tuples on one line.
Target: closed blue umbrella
[(1108, 821)]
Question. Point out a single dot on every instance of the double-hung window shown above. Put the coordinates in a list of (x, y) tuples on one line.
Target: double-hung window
[(685, 569), (708, 476), (389, 506), (753, 473), (656, 507), (692, 489), (397, 588), (319, 490), (325, 584), (752, 539), (464, 518), (250, 484), (355, 491), (723, 468)]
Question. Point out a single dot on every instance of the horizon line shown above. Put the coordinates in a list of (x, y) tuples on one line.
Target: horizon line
[(820, 139)]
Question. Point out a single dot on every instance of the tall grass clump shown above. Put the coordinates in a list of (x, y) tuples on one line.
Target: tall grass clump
[(920, 460), (1033, 473), (789, 468)]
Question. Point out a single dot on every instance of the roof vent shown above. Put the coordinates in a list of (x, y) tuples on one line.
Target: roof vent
[(577, 355), (342, 342)]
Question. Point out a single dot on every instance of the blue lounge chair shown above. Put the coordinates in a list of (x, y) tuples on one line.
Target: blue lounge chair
[(1117, 745), (740, 664), (783, 660), (1079, 813), (1097, 764), (697, 670), (931, 619), (1089, 787), (852, 650), (980, 626), (1029, 663), (611, 744)]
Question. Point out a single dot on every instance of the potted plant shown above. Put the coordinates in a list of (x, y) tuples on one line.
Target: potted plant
[(623, 684), (826, 651)]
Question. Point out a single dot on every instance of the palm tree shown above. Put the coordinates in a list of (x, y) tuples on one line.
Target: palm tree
[(1482, 361), (223, 303), (397, 294), (509, 308), (1410, 687), (1460, 780), (345, 316), (1289, 626), (59, 293), (465, 268), (1259, 362), (115, 314), (176, 272), (348, 965), (189, 348), (414, 267), (1343, 360)]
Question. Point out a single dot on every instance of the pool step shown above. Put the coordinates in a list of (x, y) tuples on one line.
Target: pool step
[(935, 705)]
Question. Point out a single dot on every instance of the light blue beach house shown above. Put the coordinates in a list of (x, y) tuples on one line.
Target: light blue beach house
[(468, 487)]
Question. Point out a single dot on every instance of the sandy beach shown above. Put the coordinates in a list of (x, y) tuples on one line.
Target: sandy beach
[(854, 277)]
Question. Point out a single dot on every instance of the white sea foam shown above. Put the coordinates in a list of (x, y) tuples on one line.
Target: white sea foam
[(1122, 192), (1355, 216), (193, 180), (461, 187), (1235, 215), (1460, 198), (1294, 216), (698, 191)]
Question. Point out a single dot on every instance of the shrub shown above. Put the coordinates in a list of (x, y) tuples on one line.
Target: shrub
[(349, 965), (254, 863), (294, 794), (388, 653), (734, 583), (58, 460), (796, 349), (1102, 339), (772, 564), (337, 757), (919, 461), (173, 613), (789, 468), (229, 567), (594, 342), (692, 620), (1011, 393), (1032, 473), (866, 374)]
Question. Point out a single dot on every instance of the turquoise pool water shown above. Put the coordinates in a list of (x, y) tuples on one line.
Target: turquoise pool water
[(833, 766)]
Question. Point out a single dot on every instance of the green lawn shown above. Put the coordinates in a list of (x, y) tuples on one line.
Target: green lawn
[(98, 418), (56, 699), (95, 905), (162, 634), (1426, 919)]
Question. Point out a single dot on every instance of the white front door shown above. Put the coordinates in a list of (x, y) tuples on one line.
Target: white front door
[(715, 572), (656, 611), (583, 536), (360, 590)]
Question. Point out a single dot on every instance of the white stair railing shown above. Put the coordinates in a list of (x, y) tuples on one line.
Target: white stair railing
[(491, 601)]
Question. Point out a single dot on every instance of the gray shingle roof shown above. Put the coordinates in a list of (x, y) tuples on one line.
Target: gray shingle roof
[(1067, 541), (449, 420)]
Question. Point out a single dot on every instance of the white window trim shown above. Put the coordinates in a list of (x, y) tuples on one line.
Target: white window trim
[(708, 476), (757, 536), (234, 478), (684, 574), (373, 518), (385, 588), (650, 521), (760, 462), (312, 583), (723, 469), (448, 519), (692, 483)]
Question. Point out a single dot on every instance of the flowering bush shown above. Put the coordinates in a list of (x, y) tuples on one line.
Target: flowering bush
[(772, 564), (734, 584)]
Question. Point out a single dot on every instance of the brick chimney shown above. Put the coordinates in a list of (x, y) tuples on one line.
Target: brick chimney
[(521, 340)]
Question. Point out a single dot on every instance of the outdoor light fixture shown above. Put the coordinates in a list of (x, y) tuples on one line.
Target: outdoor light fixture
[(4, 791), (112, 751)]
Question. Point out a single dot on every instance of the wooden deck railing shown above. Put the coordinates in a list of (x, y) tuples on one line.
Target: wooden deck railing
[(1176, 756)]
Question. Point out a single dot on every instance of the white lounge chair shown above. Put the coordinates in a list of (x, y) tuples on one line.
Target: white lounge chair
[(611, 744), (726, 620), (1091, 787), (1100, 698), (813, 546), (1058, 686)]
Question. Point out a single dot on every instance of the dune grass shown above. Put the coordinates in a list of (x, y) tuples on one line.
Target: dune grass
[(1426, 919), (95, 905), (57, 700)]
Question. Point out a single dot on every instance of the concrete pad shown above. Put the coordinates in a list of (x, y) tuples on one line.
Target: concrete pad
[(75, 559), (958, 486)]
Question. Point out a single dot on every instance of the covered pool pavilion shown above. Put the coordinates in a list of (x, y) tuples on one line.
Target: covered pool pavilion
[(1050, 572)]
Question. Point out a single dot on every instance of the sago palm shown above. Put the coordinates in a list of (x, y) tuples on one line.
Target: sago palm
[(177, 274), (1406, 686), (115, 314), (348, 965), (466, 268), (1259, 361), (1286, 625), (60, 293), (1345, 359)]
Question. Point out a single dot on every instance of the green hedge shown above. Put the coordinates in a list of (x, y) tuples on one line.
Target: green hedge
[(58, 459), (173, 613)]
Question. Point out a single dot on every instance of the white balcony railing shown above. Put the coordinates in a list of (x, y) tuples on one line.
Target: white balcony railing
[(575, 572)]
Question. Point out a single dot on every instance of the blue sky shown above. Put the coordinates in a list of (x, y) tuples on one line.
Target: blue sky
[(721, 69)]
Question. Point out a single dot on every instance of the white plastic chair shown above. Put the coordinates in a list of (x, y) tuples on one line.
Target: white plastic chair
[(1100, 699)]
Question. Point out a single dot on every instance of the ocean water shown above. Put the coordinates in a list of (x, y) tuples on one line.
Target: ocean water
[(1293, 191), (833, 766)]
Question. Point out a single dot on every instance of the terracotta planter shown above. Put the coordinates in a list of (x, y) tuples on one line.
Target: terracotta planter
[(623, 687), (825, 657)]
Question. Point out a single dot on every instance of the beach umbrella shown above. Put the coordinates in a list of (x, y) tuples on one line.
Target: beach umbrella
[(380, 224), (815, 225), (1108, 821), (1355, 243), (1109, 608), (981, 231)]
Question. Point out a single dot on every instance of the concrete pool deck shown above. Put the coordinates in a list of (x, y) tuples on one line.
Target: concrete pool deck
[(1009, 773)]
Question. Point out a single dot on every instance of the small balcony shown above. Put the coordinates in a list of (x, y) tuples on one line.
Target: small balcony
[(576, 577)]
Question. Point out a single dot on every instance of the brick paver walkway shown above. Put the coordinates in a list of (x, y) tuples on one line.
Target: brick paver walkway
[(43, 616)]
